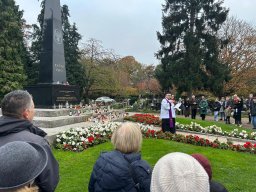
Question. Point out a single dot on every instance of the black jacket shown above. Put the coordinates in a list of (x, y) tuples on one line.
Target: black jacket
[(114, 171), (216, 106), (12, 129)]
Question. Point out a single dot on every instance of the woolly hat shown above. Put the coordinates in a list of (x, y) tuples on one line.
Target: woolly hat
[(179, 172), (204, 162), (20, 164)]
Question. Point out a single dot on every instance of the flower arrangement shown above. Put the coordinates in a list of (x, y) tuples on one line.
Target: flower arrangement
[(193, 126), (79, 139), (144, 118)]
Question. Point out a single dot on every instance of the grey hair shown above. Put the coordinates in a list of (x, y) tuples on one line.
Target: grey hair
[(15, 103)]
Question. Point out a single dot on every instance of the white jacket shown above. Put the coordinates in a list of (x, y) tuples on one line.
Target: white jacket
[(165, 107)]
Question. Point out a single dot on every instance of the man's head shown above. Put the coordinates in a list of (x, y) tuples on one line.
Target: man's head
[(18, 104), (251, 96), (168, 96)]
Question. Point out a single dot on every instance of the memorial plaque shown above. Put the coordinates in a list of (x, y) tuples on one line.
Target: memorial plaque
[(47, 95)]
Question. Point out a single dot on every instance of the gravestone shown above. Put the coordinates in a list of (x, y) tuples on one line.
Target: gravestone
[(53, 88)]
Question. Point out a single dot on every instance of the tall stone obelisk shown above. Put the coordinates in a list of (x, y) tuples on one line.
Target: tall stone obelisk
[(52, 61), (53, 88)]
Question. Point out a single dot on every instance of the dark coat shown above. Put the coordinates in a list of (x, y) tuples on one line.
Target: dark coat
[(238, 107), (12, 129), (193, 104), (186, 108), (113, 172), (253, 108), (216, 106)]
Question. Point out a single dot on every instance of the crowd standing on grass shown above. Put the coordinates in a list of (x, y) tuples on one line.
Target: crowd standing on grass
[(222, 109), (28, 165)]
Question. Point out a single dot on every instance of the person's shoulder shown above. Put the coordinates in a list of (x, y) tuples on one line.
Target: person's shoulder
[(31, 137), (216, 186)]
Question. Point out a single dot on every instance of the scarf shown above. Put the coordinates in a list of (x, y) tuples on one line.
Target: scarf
[(170, 113)]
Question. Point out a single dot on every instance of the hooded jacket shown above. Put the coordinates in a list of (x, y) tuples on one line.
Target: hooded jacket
[(115, 171), (13, 129)]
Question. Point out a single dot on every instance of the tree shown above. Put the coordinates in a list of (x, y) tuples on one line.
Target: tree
[(32, 68), (12, 48), (75, 72), (99, 70), (190, 47), (240, 55)]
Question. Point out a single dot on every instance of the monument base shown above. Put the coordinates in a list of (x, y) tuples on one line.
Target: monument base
[(50, 95)]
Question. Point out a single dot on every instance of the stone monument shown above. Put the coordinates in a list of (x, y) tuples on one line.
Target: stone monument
[(53, 88)]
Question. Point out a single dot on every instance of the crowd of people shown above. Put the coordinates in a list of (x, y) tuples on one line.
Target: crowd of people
[(222, 109), (27, 163)]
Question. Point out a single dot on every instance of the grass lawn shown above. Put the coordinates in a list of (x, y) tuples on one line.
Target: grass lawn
[(235, 170), (222, 124)]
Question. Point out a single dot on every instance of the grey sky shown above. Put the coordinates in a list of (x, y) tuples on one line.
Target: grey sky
[(126, 26)]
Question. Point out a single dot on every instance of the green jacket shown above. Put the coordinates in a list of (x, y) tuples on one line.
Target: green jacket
[(203, 105)]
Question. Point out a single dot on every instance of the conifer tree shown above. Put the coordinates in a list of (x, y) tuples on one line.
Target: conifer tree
[(71, 37), (12, 49), (190, 46)]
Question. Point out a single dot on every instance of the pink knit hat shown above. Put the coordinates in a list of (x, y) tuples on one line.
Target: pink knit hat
[(179, 172)]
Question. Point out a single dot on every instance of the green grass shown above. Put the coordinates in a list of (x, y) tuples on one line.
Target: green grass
[(235, 170), (223, 125)]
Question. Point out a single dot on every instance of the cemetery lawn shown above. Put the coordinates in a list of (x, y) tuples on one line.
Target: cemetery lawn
[(222, 124), (235, 170)]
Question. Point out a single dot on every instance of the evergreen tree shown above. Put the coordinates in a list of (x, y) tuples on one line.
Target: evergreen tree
[(75, 71), (32, 68), (190, 47), (12, 49)]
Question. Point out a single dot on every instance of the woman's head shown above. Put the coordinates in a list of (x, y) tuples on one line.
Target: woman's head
[(127, 138), (179, 172)]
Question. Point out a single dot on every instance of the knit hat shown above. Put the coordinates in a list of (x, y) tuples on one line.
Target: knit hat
[(179, 172), (20, 164), (204, 162)]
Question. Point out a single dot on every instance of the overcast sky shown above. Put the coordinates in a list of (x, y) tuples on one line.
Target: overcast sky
[(126, 26)]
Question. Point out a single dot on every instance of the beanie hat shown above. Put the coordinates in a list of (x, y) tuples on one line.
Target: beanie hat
[(179, 172), (204, 162), (20, 164)]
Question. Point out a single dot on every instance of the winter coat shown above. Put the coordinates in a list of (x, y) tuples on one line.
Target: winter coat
[(237, 106), (253, 108), (193, 104), (12, 129), (115, 171), (203, 105), (187, 108), (216, 106)]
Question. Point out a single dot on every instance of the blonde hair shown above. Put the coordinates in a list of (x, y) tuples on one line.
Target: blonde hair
[(127, 138), (33, 188)]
